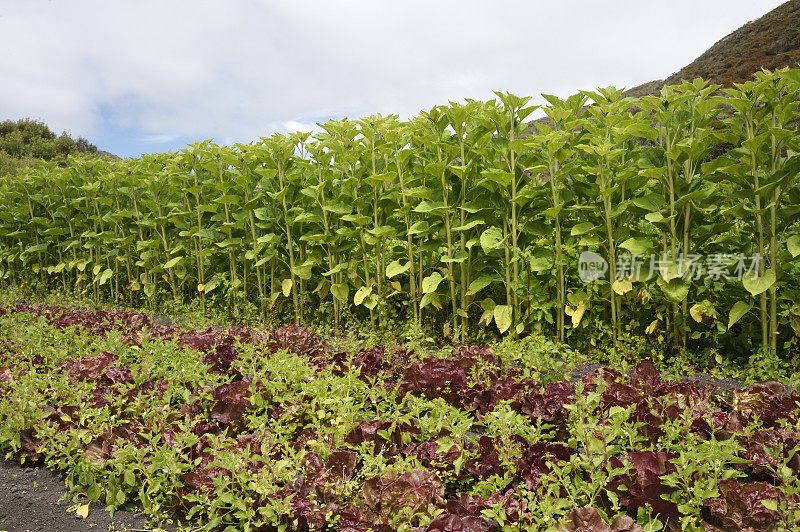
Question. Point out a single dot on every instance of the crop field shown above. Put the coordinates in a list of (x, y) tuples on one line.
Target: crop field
[(653, 234), (280, 430), (464, 222)]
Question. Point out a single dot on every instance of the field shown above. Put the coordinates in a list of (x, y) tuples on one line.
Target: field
[(284, 430), (671, 217), (495, 323)]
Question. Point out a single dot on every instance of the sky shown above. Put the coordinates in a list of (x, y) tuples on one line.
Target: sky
[(147, 76)]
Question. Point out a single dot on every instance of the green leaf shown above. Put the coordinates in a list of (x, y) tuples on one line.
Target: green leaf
[(149, 289), (212, 284), (675, 289), (371, 302), (431, 282), (757, 285), (503, 317), (418, 228), (637, 246), (480, 283), (172, 262), (383, 231), (794, 245), (336, 269), (304, 217), (650, 202), (428, 299), (105, 276), (491, 239), (739, 309), (303, 271), (340, 291), (358, 219), (228, 198), (469, 225), (94, 492), (394, 268), (339, 209), (431, 207), (37, 248), (541, 260), (582, 228), (770, 504), (654, 217), (458, 258), (500, 177)]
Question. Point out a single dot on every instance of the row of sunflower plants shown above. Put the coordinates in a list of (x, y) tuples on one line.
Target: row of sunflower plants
[(465, 215)]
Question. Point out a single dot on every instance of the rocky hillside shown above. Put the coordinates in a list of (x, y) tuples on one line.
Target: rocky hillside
[(772, 42)]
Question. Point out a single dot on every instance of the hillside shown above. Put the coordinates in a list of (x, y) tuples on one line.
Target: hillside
[(772, 42), (25, 141)]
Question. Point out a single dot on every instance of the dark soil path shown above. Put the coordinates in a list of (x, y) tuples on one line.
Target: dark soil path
[(29, 502)]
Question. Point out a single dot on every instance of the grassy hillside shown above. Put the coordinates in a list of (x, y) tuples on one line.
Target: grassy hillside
[(25, 141)]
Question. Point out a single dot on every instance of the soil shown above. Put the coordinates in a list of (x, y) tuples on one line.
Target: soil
[(30, 501)]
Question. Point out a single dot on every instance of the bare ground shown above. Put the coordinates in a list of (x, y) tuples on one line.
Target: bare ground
[(30, 501)]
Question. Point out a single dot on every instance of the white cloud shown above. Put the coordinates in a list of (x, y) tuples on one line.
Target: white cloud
[(159, 139), (236, 70), (292, 126)]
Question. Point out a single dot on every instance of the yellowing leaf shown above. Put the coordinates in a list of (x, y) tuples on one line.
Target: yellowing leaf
[(622, 287), (503, 317), (83, 511), (577, 313), (701, 310), (286, 287), (652, 327), (361, 294)]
